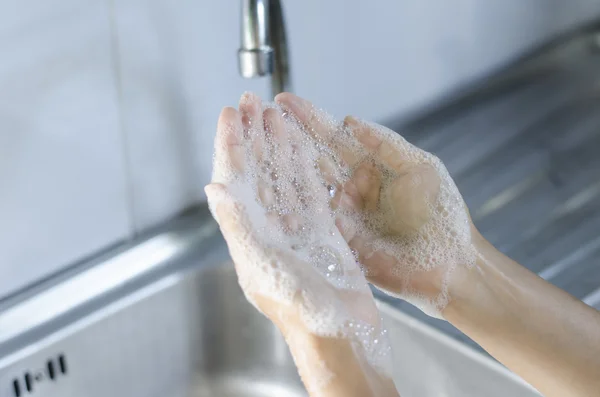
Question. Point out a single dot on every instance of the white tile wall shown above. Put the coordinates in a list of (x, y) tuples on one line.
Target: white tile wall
[(385, 57), (178, 68), (62, 188), (86, 128)]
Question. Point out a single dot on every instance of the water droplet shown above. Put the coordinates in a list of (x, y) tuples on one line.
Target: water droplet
[(330, 268), (332, 190)]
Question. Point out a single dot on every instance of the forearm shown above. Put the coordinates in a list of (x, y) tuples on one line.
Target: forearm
[(543, 334), (331, 367)]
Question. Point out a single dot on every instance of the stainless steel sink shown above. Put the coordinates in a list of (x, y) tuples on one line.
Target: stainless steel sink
[(240, 353), (164, 316)]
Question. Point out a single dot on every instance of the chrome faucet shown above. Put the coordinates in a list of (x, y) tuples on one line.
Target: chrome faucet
[(264, 49)]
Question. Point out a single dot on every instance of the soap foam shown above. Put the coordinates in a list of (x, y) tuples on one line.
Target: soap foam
[(289, 248), (433, 237)]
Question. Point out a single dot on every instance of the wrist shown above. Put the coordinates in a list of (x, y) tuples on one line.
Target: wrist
[(475, 290), (332, 366)]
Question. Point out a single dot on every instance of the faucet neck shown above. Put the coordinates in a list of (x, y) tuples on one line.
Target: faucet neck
[(264, 49)]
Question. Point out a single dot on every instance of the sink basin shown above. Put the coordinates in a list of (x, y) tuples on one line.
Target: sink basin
[(240, 352), (164, 316)]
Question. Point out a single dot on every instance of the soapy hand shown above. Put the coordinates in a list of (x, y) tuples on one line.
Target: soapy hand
[(396, 206), (303, 201), (292, 262)]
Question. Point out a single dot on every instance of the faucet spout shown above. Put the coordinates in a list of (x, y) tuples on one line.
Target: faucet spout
[(264, 49)]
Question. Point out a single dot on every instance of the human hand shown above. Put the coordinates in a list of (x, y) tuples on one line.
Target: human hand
[(397, 206), (292, 262)]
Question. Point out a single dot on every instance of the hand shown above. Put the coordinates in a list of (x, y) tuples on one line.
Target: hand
[(397, 206), (400, 210), (291, 260)]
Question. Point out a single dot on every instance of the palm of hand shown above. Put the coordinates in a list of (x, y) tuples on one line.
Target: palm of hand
[(398, 208)]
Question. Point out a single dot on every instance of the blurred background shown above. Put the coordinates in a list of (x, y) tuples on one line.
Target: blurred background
[(108, 111)]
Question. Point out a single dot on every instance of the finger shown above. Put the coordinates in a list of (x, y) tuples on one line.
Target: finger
[(316, 121), (275, 127), (321, 126), (387, 146), (265, 193), (379, 270), (348, 198), (310, 190), (229, 148), (328, 169), (282, 153), (315, 179), (346, 229), (367, 180), (286, 192), (330, 175), (290, 223), (251, 109), (349, 156), (273, 219), (377, 265), (363, 133)]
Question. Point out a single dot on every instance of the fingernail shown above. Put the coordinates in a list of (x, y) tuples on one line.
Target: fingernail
[(248, 96), (350, 121), (282, 95)]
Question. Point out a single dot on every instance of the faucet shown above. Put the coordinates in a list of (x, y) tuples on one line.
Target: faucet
[(264, 49)]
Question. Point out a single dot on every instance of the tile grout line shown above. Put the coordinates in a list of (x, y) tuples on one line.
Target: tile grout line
[(125, 150)]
